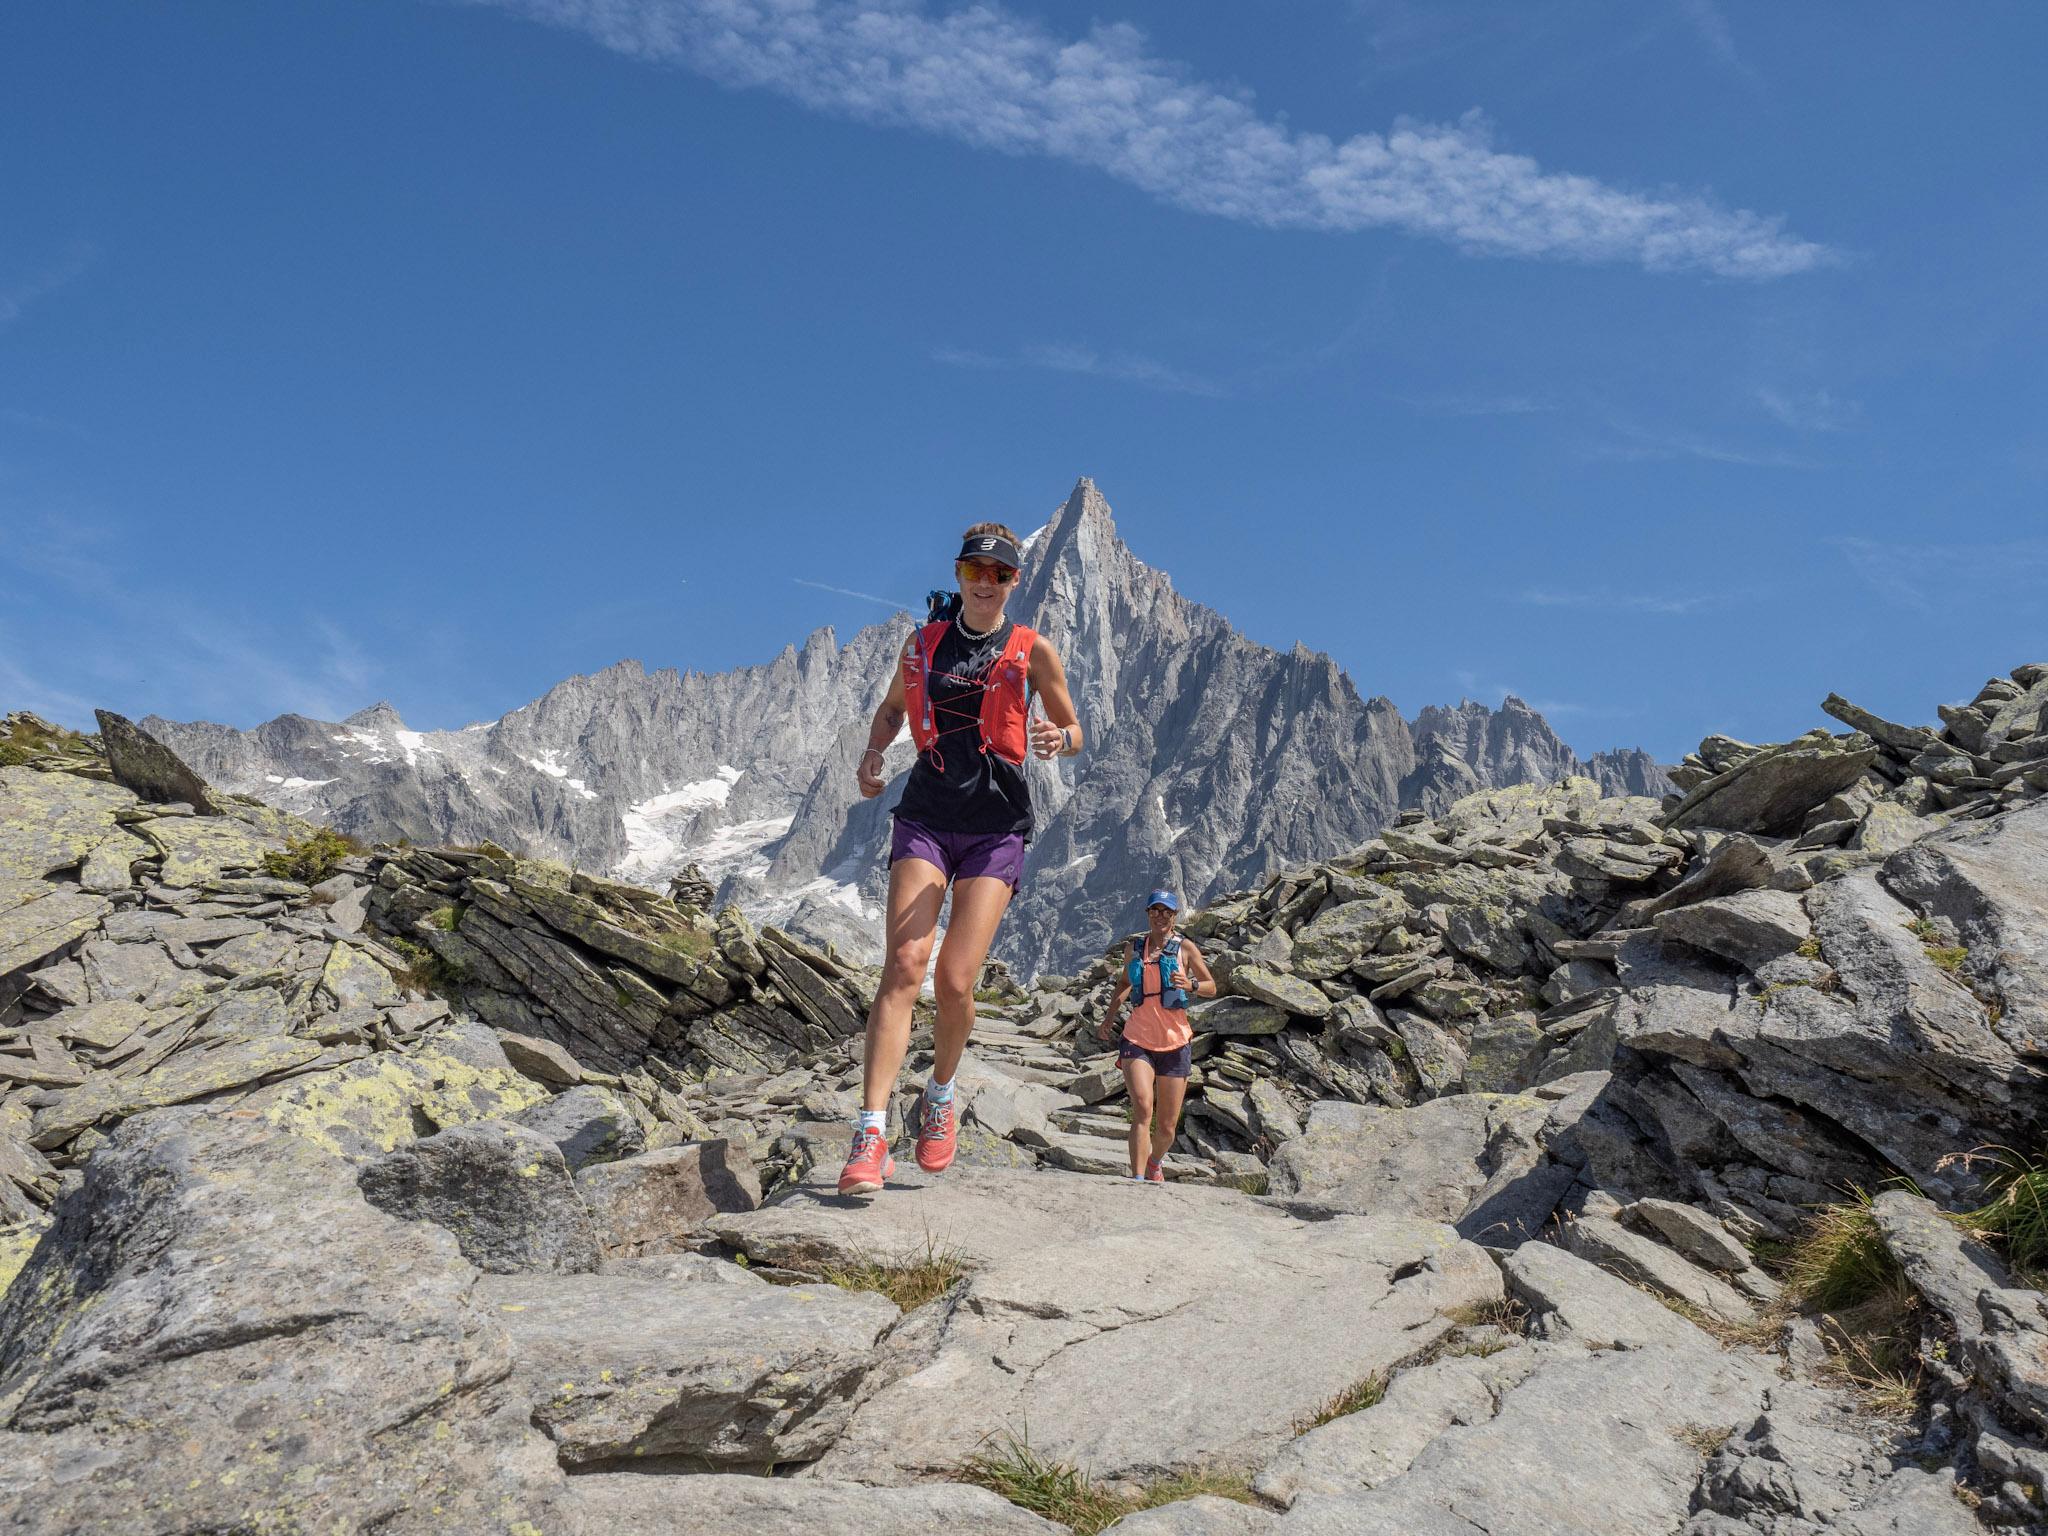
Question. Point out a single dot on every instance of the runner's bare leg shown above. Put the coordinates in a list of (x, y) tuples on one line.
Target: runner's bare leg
[(1166, 1118), (1138, 1079), (978, 906), (917, 889)]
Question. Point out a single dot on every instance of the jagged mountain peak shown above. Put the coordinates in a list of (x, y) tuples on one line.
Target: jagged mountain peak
[(1210, 757), (382, 715)]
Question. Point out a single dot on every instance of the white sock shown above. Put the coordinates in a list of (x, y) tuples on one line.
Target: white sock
[(874, 1120), (937, 1092)]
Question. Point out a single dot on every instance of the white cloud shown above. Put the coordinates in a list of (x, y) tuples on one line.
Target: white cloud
[(1813, 411), (990, 78), (1641, 444), (1626, 602), (1478, 405), (1707, 19), (1126, 367)]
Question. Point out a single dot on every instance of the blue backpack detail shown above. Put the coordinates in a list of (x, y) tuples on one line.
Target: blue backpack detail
[(1171, 993)]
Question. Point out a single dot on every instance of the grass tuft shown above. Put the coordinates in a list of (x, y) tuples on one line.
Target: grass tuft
[(1359, 1395), (2016, 1217), (309, 860), (908, 1279), (1949, 957), (1840, 1259), (1706, 1438), (1874, 1349), (1503, 1312), (1058, 1492)]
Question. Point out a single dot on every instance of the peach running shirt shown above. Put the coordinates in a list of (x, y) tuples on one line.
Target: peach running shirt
[(1151, 1024)]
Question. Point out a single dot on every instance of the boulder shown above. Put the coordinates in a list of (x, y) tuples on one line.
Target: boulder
[(1748, 927), (1437, 1161), (144, 765), (587, 1124), (632, 1368), (1991, 880), (502, 1190), (650, 1203), (1771, 791), (194, 1338), (1279, 990), (542, 1060)]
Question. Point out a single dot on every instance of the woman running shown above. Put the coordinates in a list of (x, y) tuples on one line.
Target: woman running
[(965, 684), (1157, 1043)]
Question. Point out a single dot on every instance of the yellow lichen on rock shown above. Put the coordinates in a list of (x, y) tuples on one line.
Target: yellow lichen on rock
[(16, 1244), (368, 1107), (201, 848)]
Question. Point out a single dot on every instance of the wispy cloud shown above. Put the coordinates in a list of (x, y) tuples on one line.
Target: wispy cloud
[(70, 265), (1927, 577), (1814, 410), (132, 654), (988, 77), (867, 597), (1637, 444), (1478, 404), (1124, 367), (1624, 602), (1710, 22)]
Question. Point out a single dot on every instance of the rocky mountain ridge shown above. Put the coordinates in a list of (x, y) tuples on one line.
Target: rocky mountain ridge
[(1211, 759), (1536, 1088)]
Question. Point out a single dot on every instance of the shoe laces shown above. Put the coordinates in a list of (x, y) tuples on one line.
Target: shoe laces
[(938, 1117), (866, 1141)]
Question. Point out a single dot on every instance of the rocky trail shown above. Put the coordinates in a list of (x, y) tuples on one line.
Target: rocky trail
[(442, 1190)]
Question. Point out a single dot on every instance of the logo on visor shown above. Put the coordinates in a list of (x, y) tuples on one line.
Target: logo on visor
[(986, 544)]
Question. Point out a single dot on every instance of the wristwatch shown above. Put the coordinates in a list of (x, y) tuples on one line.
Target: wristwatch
[(1066, 742)]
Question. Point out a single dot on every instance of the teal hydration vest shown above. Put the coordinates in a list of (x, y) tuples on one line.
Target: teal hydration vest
[(1171, 993)]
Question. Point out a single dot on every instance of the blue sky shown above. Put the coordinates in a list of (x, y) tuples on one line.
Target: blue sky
[(1666, 362)]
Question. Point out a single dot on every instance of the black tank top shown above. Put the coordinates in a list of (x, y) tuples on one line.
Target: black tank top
[(955, 786)]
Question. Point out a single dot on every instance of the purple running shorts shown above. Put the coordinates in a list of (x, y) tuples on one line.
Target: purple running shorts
[(1177, 1062), (961, 855)]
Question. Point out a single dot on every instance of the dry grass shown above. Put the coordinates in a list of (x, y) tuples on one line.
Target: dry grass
[(1504, 1313), (1706, 1438), (1058, 1492), (1874, 1350), (908, 1279), (1359, 1395)]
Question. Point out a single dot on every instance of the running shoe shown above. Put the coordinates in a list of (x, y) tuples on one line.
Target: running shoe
[(868, 1165), (937, 1137), (1155, 1172)]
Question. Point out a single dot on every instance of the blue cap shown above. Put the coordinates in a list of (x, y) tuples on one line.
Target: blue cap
[(1164, 899)]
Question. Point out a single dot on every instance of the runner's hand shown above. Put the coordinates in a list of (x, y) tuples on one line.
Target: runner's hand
[(868, 774), (1047, 739)]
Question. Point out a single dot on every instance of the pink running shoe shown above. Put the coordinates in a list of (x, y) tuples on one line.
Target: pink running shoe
[(1155, 1172), (868, 1165), (937, 1137)]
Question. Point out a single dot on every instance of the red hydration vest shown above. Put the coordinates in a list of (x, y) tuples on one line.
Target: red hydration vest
[(1005, 693)]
